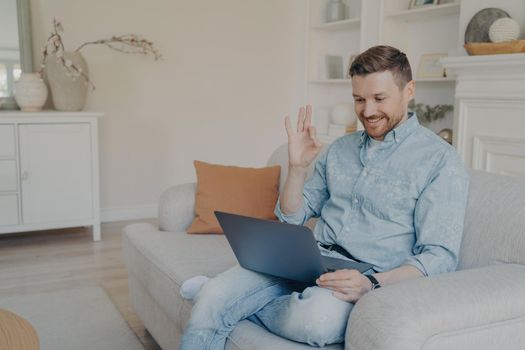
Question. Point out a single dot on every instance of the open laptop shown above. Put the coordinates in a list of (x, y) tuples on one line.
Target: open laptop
[(279, 249)]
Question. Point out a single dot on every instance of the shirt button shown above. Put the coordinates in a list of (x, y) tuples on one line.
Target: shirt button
[(365, 173), (356, 201)]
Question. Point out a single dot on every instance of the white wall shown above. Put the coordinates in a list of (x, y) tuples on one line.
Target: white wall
[(231, 70)]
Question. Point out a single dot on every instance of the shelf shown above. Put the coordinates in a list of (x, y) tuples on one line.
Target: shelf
[(435, 80), (505, 64), (425, 12), (332, 81), (324, 138), (352, 23), (349, 81)]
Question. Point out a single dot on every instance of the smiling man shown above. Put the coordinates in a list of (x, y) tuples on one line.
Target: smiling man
[(393, 195)]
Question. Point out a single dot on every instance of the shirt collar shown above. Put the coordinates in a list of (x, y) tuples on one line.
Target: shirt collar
[(399, 133)]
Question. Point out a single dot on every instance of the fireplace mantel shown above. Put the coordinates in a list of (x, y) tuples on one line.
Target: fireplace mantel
[(489, 116)]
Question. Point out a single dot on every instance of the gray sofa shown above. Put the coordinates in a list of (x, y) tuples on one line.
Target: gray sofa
[(480, 306)]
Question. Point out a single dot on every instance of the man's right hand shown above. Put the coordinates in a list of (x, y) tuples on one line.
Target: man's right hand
[(303, 145)]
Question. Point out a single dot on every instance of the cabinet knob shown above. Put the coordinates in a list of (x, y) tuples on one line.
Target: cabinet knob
[(25, 176)]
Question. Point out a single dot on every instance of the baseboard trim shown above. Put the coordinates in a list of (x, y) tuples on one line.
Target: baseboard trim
[(129, 213)]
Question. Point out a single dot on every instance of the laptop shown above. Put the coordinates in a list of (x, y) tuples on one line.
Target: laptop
[(279, 249)]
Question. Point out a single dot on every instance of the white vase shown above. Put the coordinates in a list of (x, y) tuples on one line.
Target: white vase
[(30, 92), (344, 114), (335, 11), (69, 93)]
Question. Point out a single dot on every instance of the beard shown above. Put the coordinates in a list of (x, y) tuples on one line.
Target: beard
[(378, 125)]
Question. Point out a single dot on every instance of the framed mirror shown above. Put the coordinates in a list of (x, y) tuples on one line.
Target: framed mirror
[(16, 54)]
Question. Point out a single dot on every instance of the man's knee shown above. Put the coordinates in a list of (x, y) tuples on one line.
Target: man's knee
[(318, 316), (230, 285)]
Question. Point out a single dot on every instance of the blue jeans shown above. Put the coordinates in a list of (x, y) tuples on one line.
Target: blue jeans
[(313, 316)]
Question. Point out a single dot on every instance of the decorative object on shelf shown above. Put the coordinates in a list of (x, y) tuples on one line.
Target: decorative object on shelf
[(74, 68), (504, 29), (322, 119), (478, 28), (30, 92), (491, 31), (68, 92), (515, 46), (427, 114), (8, 103), (343, 114), (337, 130), (446, 134), (419, 3), (335, 11), (430, 66), (330, 67)]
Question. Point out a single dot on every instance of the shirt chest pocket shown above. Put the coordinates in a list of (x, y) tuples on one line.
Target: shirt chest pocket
[(391, 197)]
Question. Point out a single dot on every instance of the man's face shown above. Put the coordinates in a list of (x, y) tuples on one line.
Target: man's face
[(379, 103)]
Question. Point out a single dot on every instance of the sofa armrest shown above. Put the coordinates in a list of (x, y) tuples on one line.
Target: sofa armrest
[(177, 207), (468, 309)]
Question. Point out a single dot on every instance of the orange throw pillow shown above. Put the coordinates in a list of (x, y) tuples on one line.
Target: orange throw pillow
[(244, 191)]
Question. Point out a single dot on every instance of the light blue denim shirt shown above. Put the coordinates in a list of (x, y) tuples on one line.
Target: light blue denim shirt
[(404, 206)]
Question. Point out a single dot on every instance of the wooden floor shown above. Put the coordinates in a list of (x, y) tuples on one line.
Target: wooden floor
[(60, 259)]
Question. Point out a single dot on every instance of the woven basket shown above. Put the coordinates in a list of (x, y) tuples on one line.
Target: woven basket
[(514, 46)]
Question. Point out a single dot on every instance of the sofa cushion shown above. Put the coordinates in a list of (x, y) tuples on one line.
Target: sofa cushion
[(245, 191), (162, 261)]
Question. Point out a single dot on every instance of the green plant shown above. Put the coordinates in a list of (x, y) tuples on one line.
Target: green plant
[(427, 114)]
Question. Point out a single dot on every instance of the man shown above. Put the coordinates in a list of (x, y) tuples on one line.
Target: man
[(393, 196)]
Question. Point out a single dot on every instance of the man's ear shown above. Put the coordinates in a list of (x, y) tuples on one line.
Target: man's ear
[(410, 90)]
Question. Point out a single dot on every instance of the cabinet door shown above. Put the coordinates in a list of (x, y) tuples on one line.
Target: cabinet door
[(7, 140), (56, 172), (8, 175), (8, 209)]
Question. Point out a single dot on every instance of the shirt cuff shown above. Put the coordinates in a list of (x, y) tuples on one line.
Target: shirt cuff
[(297, 218), (432, 263)]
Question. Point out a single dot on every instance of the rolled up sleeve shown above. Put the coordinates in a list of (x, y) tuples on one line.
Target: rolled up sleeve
[(439, 217), (315, 194)]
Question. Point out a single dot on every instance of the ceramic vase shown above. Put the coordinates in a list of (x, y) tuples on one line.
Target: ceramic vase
[(343, 114), (335, 11), (30, 92), (68, 92)]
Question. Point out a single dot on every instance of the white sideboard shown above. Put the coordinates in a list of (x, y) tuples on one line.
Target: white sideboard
[(490, 111), (49, 174)]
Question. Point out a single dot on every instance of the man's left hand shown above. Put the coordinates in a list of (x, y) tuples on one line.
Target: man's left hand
[(347, 285)]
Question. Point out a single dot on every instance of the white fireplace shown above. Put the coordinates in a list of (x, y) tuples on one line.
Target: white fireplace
[(489, 116)]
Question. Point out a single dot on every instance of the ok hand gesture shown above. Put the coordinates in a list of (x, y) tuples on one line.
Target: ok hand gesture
[(303, 145)]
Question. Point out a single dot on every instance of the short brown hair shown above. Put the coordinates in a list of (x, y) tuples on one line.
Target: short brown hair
[(383, 58)]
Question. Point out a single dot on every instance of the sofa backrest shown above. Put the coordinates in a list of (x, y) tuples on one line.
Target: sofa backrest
[(495, 221), (494, 229)]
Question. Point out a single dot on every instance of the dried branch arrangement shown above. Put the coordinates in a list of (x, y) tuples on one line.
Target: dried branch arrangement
[(129, 43)]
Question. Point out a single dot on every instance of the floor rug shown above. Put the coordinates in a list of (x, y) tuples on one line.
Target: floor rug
[(81, 318)]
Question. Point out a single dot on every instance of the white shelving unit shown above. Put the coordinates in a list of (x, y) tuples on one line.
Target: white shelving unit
[(341, 38), (429, 29), (352, 23), (424, 12), (331, 81)]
